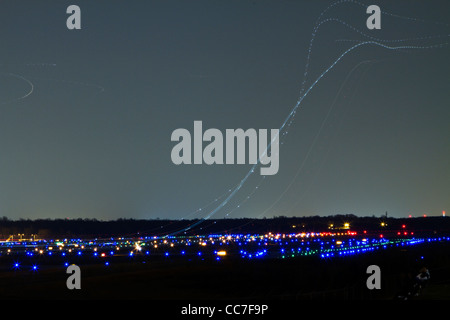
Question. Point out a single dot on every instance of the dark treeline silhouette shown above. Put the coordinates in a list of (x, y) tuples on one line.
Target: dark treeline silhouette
[(67, 228)]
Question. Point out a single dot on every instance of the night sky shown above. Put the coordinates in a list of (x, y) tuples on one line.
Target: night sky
[(93, 139)]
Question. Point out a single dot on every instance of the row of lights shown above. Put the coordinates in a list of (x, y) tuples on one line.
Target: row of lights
[(325, 246)]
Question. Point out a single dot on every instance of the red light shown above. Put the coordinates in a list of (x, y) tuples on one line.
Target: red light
[(424, 215), (409, 216), (398, 233), (405, 233), (403, 226), (381, 236)]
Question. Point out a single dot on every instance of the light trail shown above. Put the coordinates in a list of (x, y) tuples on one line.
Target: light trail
[(291, 114), (30, 91), (289, 119), (344, 83), (27, 78)]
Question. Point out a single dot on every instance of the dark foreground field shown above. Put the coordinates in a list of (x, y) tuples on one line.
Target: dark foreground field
[(302, 278)]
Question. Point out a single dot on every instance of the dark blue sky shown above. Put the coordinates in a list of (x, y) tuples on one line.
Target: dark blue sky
[(93, 138)]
